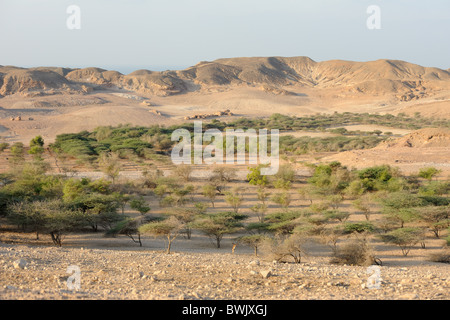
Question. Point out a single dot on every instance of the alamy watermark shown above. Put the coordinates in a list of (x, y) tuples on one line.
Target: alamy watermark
[(231, 149), (374, 20), (374, 281), (73, 22), (74, 280)]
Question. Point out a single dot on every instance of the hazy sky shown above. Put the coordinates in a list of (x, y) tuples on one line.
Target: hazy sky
[(126, 35)]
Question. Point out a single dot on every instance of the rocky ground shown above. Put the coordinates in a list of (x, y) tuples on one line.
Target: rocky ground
[(40, 272)]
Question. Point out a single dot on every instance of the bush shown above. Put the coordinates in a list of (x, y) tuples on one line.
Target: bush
[(428, 173), (282, 199), (356, 253), (435, 188), (183, 171), (336, 215), (376, 178), (284, 249), (442, 256), (3, 146), (256, 178), (359, 227)]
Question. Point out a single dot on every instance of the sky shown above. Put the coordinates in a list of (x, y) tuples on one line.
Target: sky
[(126, 35)]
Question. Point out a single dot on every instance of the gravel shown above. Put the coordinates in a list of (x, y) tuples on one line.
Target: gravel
[(145, 274)]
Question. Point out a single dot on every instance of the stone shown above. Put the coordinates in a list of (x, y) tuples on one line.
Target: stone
[(254, 263), (266, 273), (20, 264)]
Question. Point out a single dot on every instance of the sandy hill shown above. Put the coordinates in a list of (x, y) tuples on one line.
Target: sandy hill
[(422, 148), (38, 80), (424, 138), (405, 80)]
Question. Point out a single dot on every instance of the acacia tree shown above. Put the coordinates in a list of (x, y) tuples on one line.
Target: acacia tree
[(331, 237), (210, 192), (110, 165), (405, 238), (224, 174), (100, 209), (37, 147), (283, 199), (235, 199), (257, 235), (140, 205), (219, 224), (52, 217), (284, 177), (363, 204), (400, 206), (188, 215), (17, 154), (253, 240), (128, 227), (260, 210), (307, 193), (262, 195), (183, 171), (169, 228), (27, 215), (437, 218)]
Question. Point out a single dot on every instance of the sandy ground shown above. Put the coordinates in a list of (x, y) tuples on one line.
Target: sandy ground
[(53, 115)]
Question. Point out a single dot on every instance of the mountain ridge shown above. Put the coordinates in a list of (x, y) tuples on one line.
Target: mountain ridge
[(405, 80)]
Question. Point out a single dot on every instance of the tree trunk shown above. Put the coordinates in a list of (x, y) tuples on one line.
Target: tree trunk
[(56, 238), (218, 242), (188, 233), (169, 245)]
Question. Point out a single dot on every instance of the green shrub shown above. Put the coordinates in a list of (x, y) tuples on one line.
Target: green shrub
[(359, 227)]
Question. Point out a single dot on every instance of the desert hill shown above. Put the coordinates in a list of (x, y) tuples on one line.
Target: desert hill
[(405, 80), (424, 138), (53, 100), (418, 149)]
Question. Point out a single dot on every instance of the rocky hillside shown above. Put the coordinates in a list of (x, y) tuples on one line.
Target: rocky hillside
[(425, 138), (406, 81)]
